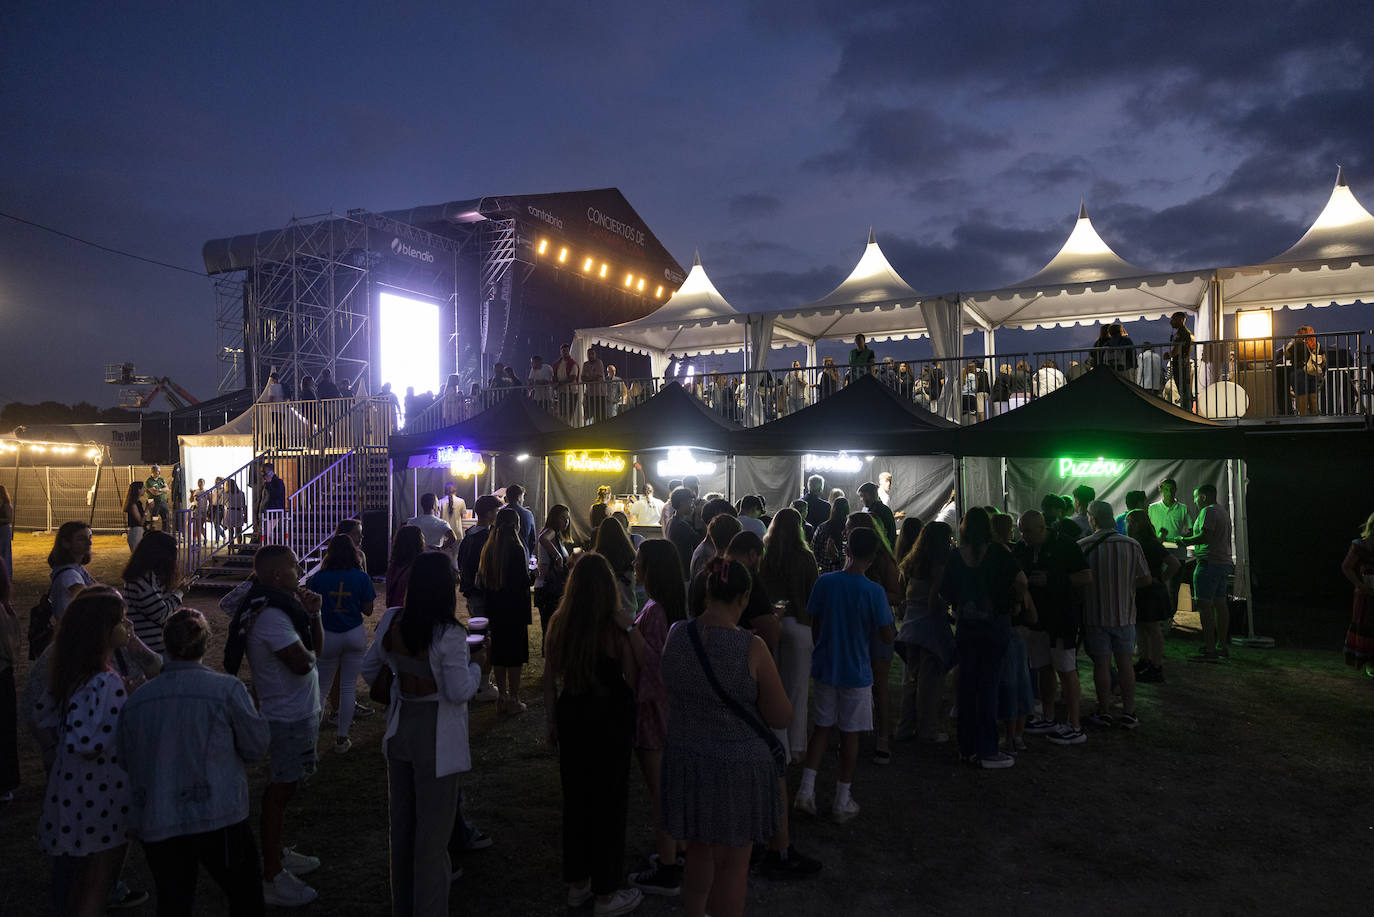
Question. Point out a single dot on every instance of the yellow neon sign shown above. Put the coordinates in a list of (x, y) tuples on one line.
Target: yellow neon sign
[(605, 463)]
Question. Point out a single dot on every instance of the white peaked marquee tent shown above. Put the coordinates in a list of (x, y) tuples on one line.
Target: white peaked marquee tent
[(1332, 263), (1087, 283)]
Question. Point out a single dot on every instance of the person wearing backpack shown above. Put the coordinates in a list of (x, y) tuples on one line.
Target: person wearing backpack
[(983, 583)]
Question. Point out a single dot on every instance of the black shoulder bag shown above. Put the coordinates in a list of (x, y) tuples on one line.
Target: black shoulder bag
[(774, 746)]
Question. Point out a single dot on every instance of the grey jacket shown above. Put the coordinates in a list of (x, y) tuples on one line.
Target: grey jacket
[(183, 739)]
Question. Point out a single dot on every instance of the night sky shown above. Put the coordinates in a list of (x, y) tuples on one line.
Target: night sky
[(769, 135)]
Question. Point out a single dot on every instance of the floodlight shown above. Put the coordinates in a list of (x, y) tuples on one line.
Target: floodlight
[(640, 286), (523, 457), (659, 291), (562, 255), (604, 267), (629, 279), (587, 265), (543, 246), (1254, 323), (410, 343)]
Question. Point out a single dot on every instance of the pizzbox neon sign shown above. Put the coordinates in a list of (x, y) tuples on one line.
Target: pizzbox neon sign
[(1091, 468)]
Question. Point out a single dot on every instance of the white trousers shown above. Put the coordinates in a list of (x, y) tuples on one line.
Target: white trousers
[(344, 652), (794, 665)]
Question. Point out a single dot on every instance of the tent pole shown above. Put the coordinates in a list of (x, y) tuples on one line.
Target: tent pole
[(959, 489)]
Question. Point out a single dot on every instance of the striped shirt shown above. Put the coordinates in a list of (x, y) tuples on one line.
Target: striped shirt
[(1115, 561), (149, 608)]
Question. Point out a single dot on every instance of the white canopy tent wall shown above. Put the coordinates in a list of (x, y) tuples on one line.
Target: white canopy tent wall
[(218, 453)]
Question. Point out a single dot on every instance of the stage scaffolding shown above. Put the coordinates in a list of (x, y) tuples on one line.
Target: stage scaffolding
[(304, 305)]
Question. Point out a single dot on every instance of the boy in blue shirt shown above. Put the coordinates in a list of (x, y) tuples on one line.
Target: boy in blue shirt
[(845, 608)]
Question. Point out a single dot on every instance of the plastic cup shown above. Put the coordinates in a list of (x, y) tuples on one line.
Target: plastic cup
[(477, 625)]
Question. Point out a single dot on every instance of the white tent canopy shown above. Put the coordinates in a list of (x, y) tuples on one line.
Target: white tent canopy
[(1332, 263), (1086, 283)]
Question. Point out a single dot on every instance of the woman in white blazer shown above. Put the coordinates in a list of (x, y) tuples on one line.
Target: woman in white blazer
[(426, 741)]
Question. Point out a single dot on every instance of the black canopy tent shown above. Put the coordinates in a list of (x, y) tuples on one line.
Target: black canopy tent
[(1100, 413), (513, 424), (864, 417), (672, 417)]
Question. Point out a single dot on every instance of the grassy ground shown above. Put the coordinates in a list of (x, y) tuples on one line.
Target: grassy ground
[(1243, 791)]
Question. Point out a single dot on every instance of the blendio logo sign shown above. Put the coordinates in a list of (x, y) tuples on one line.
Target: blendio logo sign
[(621, 229), (400, 248)]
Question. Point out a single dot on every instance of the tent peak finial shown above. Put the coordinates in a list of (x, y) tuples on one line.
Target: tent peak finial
[(1340, 176), (1082, 209), (696, 258), (871, 238)]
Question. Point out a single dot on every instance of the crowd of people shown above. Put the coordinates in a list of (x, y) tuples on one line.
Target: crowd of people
[(715, 656)]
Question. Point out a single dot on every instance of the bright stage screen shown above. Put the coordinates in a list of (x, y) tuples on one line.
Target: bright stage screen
[(409, 344)]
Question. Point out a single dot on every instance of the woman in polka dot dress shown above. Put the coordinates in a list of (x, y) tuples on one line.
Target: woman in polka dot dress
[(85, 809)]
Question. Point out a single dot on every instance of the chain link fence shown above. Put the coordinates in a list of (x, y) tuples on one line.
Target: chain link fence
[(46, 496)]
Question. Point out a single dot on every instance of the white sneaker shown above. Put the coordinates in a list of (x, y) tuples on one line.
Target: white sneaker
[(622, 902), (997, 761), (843, 813), (486, 694), (298, 864), (285, 890), (342, 744), (805, 802)]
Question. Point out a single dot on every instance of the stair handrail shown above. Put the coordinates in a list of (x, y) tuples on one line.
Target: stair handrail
[(196, 552), (308, 521)]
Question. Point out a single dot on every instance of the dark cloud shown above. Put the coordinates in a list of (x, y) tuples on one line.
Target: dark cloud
[(1210, 230), (763, 290), (900, 141), (1036, 172), (1031, 48), (981, 252), (753, 206)]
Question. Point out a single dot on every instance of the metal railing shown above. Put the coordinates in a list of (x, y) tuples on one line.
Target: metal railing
[(334, 425), (314, 511), (1253, 379), (221, 516)]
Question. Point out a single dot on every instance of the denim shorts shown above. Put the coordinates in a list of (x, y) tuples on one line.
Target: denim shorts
[(293, 749), (1101, 640), (1209, 581)]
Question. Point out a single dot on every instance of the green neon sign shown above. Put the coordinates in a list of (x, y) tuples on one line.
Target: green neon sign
[(1090, 468)]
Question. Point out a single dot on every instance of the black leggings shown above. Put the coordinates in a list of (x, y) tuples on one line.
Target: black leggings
[(229, 855)]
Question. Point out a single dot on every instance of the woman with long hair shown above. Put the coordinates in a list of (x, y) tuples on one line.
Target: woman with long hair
[(135, 518), (235, 510), (1152, 602), (86, 804), (1358, 568), (426, 741), (591, 664), (983, 583), (925, 641), (152, 581), (67, 576), (552, 559), (348, 595), (659, 571), (906, 537), (828, 543), (406, 547), (613, 543), (503, 575), (720, 785), (600, 508), (787, 572), (6, 529), (884, 572)]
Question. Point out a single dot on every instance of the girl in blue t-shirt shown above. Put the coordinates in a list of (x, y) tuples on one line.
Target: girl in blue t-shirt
[(348, 595)]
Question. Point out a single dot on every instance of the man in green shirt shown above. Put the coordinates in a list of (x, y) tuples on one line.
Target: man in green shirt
[(1172, 520), (860, 358), (156, 489)]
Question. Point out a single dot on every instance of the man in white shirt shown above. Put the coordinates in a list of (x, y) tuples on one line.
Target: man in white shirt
[(949, 513), (430, 525), (1118, 569), (750, 511), (1149, 373), (540, 381), (280, 616), (648, 509), (451, 509)]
